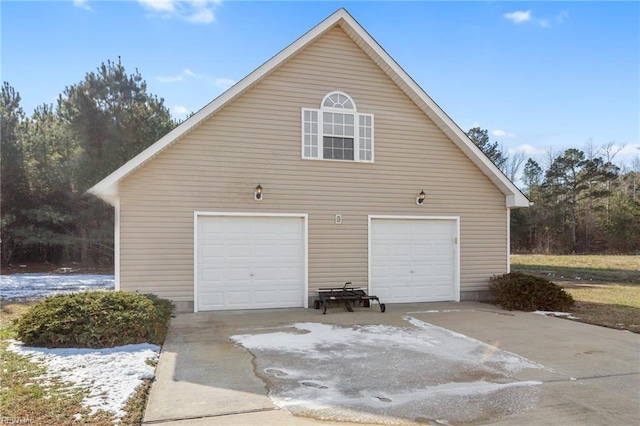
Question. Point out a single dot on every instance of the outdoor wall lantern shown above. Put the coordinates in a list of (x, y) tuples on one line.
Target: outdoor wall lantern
[(420, 198), (258, 194)]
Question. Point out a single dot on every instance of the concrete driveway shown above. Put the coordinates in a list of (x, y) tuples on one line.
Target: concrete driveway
[(436, 363)]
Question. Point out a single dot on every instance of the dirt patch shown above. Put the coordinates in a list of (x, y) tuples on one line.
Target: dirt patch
[(619, 317)]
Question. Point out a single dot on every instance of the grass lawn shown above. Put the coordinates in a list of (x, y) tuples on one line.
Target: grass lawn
[(24, 396), (606, 288)]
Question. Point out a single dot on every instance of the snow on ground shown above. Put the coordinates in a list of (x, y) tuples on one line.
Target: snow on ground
[(389, 375), (111, 374), (37, 286), (555, 314)]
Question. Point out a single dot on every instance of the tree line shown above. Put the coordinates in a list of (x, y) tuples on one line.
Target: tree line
[(581, 202), (51, 157)]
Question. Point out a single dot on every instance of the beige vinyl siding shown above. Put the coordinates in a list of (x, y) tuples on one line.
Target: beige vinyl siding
[(257, 139)]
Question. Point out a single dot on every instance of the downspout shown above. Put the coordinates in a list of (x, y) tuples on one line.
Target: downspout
[(116, 242), (508, 240)]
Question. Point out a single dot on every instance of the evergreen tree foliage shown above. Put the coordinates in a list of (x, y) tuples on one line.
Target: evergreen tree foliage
[(50, 159), (14, 189), (492, 150)]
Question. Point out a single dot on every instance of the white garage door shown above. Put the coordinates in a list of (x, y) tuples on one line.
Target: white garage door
[(250, 262), (413, 260)]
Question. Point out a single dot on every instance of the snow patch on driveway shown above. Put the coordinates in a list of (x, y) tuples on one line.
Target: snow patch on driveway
[(389, 375), (555, 314)]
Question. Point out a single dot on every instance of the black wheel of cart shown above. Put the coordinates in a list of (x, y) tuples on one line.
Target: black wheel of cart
[(316, 304), (382, 307), (366, 303), (324, 308)]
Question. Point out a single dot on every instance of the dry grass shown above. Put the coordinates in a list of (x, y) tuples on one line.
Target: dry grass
[(615, 269), (609, 305), (606, 288), (9, 313)]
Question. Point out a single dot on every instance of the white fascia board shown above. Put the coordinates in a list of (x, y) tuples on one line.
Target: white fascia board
[(107, 188), (517, 200)]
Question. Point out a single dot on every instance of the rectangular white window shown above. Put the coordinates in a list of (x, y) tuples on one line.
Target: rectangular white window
[(365, 137), (309, 133)]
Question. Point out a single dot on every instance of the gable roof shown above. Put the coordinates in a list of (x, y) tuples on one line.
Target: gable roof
[(107, 188)]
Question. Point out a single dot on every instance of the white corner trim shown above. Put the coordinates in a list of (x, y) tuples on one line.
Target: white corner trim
[(195, 262), (116, 243), (305, 237), (508, 240), (456, 219)]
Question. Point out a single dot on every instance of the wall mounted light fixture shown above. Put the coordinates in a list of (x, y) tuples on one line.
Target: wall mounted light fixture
[(257, 195), (420, 198)]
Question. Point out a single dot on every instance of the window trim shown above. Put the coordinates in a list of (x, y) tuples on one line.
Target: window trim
[(357, 138)]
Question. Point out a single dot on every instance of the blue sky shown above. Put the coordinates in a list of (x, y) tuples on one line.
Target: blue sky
[(537, 75)]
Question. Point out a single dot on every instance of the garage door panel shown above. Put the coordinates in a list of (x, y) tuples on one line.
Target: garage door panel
[(413, 260), (266, 251), (212, 299), (250, 262), (212, 274), (401, 271), (265, 296), (289, 250), (238, 299), (238, 274), (212, 250), (261, 274), (289, 273)]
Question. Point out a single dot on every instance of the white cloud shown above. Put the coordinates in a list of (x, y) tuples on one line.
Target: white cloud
[(190, 73), (627, 154), (82, 4), (502, 134), (527, 149), (180, 77), (224, 83), (195, 11), (187, 74), (170, 79), (158, 5), (202, 15), (561, 17), (180, 110), (519, 16)]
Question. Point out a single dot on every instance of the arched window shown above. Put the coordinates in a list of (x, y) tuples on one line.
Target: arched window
[(337, 131), (338, 100)]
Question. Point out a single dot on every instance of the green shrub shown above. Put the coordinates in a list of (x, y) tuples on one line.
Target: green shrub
[(95, 320), (525, 292)]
